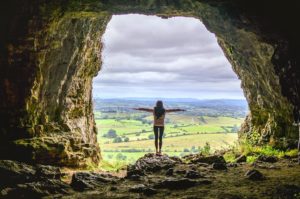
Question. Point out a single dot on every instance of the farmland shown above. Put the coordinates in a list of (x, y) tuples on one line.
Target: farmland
[(125, 134)]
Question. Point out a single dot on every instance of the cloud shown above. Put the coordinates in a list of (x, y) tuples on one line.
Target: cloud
[(149, 56)]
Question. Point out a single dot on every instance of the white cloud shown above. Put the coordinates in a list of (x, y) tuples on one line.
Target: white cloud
[(147, 56)]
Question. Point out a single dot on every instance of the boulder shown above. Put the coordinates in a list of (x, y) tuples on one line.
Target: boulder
[(82, 181), (151, 163), (20, 180), (36, 189), (15, 172), (63, 149), (133, 172), (265, 158), (199, 158), (254, 174), (47, 171), (193, 174), (219, 166)]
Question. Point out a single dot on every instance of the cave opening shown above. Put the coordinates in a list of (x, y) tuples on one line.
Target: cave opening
[(50, 56), (177, 60)]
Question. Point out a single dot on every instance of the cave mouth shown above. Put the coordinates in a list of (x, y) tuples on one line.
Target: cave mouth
[(141, 53), (51, 55)]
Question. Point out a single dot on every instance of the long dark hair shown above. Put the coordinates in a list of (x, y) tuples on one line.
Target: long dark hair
[(159, 109)]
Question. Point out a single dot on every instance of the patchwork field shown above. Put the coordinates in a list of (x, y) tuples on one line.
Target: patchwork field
[(183, 135), (125, 134)]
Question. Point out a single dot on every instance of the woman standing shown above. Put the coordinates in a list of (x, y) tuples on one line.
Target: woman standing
[(159, 113)]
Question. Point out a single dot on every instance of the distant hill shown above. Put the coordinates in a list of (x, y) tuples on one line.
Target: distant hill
[(228, 102), (214, 107), (151, 99)]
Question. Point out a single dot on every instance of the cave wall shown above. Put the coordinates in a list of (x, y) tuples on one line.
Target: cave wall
[(49, 118), (51, 51)]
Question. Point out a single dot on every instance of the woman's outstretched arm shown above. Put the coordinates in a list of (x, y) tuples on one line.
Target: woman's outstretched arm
[(144, 109), (174, 110)]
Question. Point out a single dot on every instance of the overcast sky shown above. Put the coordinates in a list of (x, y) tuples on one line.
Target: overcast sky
[(147, 56)]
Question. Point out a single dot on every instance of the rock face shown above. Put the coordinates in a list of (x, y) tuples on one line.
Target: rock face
[(52, 121), (15, 172), (20, 180), (199, 158), (86, 180), (189, 180), (150, 162), (51, 51)]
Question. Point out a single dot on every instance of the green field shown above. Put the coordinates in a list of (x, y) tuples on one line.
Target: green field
[(184, 134), (125, 134)]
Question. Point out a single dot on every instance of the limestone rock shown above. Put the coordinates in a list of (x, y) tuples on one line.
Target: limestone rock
[(199, 158), (219, 166), (67, 149), (13, 172), (88, 180), (193, 174), (20, 180), (265, 158), (254, 175), (151, 163), (47, 171), (134, 173), (36, 189)]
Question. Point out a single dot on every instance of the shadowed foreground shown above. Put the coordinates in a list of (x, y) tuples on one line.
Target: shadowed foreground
[(194, 176)]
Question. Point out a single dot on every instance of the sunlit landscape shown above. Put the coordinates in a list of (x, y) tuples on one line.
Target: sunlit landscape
[(207, 125)]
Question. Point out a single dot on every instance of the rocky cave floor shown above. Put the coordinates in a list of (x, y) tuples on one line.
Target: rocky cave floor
[(194, 176)]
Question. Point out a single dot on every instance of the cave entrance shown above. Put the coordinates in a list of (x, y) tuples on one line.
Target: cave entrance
[(177, 60)]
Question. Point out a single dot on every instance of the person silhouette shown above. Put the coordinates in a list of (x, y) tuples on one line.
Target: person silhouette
[(159, 113)]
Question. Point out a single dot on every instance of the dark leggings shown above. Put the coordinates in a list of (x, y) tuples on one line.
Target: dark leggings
[(158, 133)]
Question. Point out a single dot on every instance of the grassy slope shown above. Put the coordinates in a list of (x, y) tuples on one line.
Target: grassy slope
[(217, 141), (190, 132)]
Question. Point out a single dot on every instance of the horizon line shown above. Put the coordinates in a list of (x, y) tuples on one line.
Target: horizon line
[(169, 98)]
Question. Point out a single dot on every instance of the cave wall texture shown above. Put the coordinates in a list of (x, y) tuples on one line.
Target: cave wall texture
[(50, 51)]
